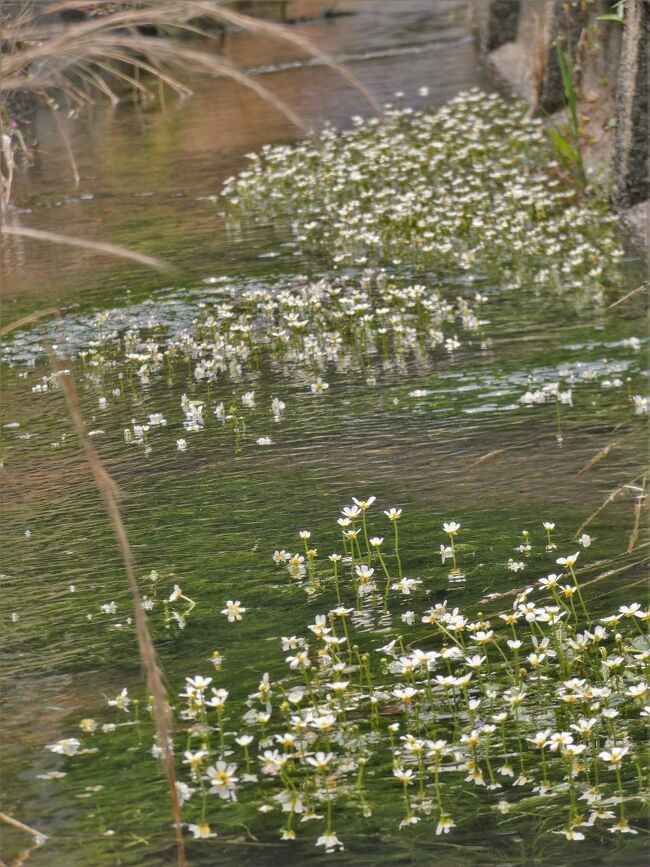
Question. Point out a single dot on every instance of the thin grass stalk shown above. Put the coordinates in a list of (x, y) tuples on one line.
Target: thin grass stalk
[(28, 320), (83, 244), (109, 493), (66, 142), (597, 458), (265, 28), (609, 499), (179, 15), (630, 294), (21, 826), (639, 504)]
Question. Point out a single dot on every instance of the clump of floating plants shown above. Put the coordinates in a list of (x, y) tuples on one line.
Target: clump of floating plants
[(612, 376), (538, 707), (374, 327), (304, 332), (471, 187)]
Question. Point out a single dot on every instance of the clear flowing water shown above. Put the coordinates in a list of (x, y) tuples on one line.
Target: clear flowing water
[(441, 440)]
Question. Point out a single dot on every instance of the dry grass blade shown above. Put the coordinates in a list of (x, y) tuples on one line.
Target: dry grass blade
[(630, 294), (46, 55), (639, 504), (487, 457), (83, 244), (266, 28), (66, 143), (50, 60), (173, 54), (596, 458), (609, 499), (108, 490), (28, 320), (180, 14), (21, 826)]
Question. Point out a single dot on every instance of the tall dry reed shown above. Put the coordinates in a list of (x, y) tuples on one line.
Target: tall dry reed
[(109, 493)]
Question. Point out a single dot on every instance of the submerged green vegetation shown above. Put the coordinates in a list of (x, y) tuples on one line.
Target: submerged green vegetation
[(393, 684), (531, 698)]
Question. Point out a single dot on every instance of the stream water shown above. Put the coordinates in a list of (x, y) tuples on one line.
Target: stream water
[(443, 440)]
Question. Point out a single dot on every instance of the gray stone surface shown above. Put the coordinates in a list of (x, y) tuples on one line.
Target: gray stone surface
[(567, 21), (510, 65), (631, 167), (502, 22), (637, 221)]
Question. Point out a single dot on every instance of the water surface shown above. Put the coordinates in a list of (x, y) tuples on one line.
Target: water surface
[(443, 440)]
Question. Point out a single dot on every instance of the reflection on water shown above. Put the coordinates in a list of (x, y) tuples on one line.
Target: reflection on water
[(448, 438), (147, 175)]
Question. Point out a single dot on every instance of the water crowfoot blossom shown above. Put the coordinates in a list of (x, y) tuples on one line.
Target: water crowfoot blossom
[(522, 693)]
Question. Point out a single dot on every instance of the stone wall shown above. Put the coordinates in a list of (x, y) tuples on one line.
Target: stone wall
[(517, 38)]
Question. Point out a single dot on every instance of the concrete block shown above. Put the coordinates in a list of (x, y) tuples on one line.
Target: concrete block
[(637, 221), (496, 23), (631, 161), (567, 20)]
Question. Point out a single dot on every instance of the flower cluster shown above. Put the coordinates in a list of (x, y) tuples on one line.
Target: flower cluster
[(539, 698), (470, 187)]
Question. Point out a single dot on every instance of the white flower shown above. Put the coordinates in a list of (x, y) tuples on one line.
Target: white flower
[(233, 610), (405, 585), (264, 441), (613, 756), (185, 792), (451, 527), (364, 504), (404, 775), (393, 514), (181, 444), (444, 826), (223, 781), (281, 557), (65, 747), (622, 827), (277, 408), (201, 831), (121, 701), (319, 387), (320, 761), (571, 834), (330, 841)]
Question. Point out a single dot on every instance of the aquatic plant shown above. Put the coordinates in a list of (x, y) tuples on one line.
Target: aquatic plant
[(371, 328), (348, 325), (470, 188), (534, 700)]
